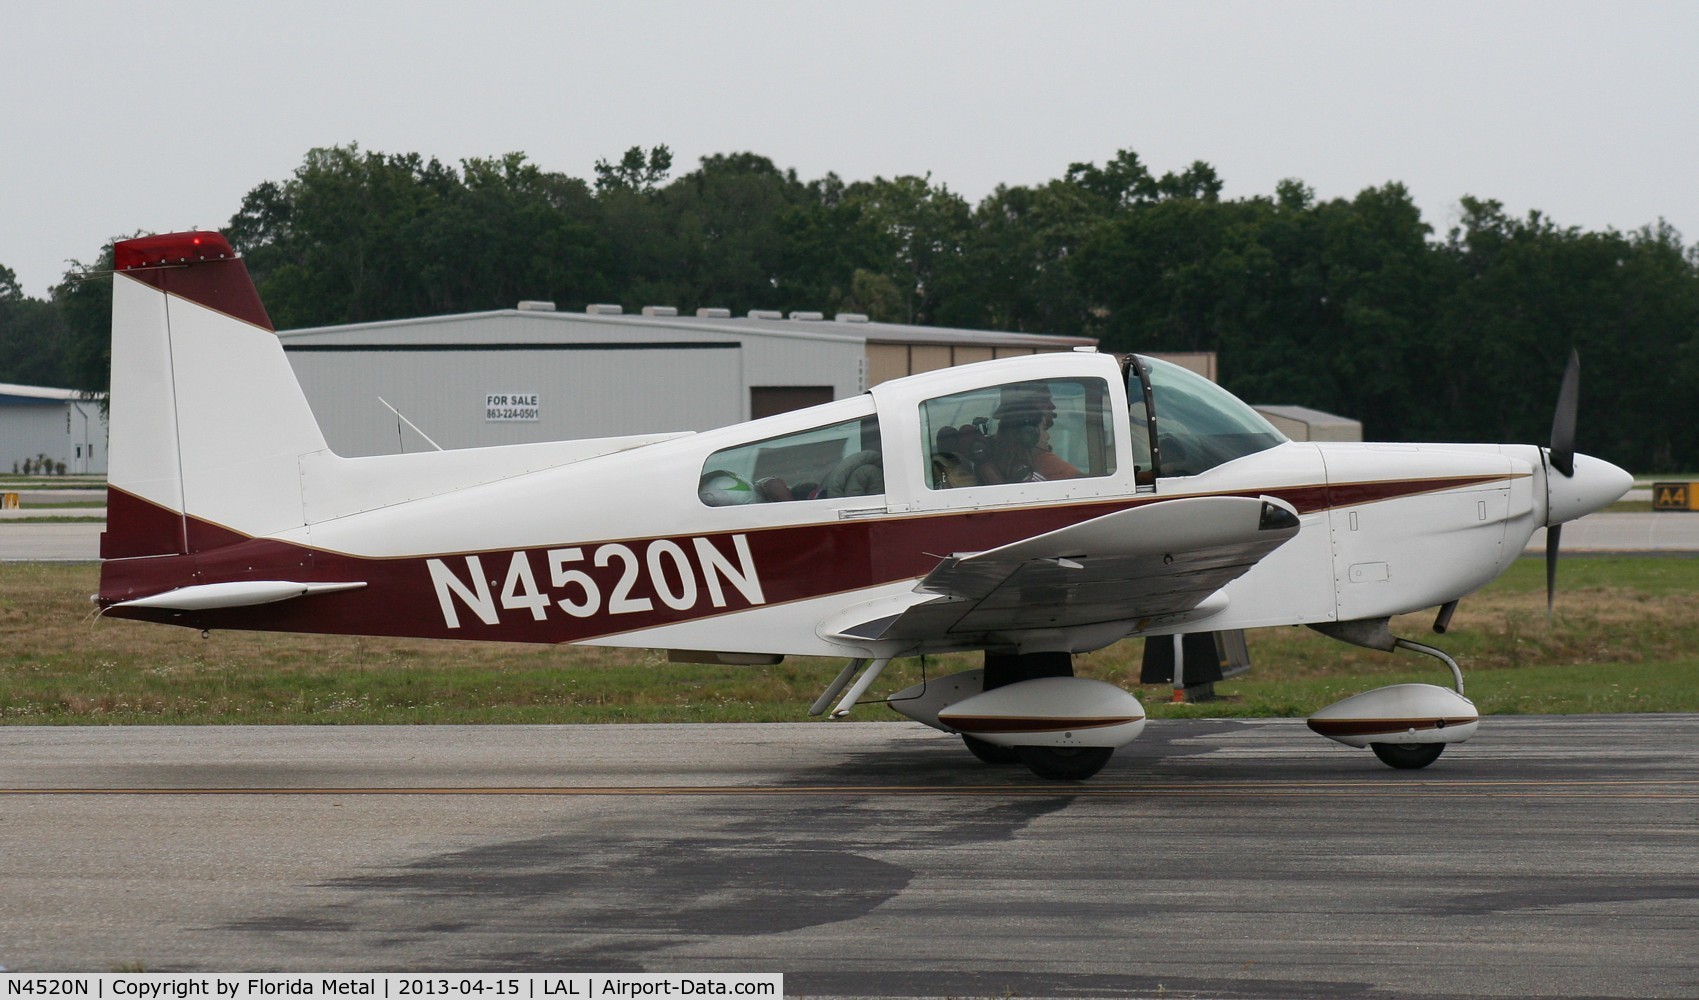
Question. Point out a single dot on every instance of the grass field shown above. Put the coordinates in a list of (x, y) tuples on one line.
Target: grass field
[(1623, 641)]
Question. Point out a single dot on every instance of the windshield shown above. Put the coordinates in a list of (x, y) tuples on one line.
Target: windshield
[(1199, 425)]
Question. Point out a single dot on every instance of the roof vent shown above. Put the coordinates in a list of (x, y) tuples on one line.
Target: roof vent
[(851, 317), (766, 314), (808, 315), (709, 313), (603, 309), (660, 310), (536, 306)]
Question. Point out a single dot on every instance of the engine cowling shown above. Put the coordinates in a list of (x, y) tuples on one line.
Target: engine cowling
[(1401, 714)]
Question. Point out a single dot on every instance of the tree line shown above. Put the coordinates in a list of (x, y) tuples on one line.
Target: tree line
[(1354, 306)]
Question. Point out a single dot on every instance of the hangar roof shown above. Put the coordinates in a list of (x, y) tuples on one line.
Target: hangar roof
[(540, 326), (35, 394)]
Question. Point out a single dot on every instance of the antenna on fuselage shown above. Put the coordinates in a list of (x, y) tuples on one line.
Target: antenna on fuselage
[(403, 418)]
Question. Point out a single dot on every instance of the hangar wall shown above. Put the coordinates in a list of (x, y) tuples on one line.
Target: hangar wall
[(579, 393), (1301, 423), (37, 420), (601, 373)]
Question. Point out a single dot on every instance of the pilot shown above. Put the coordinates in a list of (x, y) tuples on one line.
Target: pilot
[(1020, 450)]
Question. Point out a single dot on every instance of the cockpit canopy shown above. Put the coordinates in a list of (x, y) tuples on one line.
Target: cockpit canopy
[(1193, 425), (1055, 420)]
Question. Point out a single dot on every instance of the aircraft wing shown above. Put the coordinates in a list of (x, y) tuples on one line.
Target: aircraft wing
[(1155, 561)]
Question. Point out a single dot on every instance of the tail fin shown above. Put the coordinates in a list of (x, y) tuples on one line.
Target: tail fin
[(209, 424)]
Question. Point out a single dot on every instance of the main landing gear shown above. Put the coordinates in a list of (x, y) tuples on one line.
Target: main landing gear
[(990, 753), (1065, 763), (1056, 763), (1024, 708), (1407, 757)]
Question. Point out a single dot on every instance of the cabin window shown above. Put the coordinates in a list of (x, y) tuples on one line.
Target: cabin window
[(1020, 432), (838, 460)]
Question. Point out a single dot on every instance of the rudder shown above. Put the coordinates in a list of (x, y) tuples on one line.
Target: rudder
[(208, 420)]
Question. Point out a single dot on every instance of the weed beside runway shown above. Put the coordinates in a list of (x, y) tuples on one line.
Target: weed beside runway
[(1622, 641)]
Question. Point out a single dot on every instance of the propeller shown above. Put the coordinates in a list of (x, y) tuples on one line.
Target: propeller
[(1563, 421), (1562, 459)]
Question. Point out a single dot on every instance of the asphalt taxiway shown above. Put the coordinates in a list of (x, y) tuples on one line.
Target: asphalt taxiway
[(1548, 857)]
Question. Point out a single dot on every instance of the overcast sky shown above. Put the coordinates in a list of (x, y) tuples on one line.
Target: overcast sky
[(117, 117)]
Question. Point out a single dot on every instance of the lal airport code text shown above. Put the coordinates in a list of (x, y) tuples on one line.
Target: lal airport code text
[(392, 986)]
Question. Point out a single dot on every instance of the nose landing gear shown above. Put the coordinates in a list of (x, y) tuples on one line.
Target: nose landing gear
[(1406, 725)]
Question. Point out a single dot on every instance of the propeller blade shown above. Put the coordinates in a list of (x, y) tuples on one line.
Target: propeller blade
[(1553, 534), (1563, 420)]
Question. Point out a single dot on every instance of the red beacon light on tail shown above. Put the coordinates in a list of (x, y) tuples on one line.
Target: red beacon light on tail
[(168, 249), (199, 266)]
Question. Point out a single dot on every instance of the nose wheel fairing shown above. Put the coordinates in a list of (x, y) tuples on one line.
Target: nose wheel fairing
[(1406, 725)]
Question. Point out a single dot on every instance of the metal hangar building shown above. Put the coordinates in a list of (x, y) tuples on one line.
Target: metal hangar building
[(57, 427), (513, 376)]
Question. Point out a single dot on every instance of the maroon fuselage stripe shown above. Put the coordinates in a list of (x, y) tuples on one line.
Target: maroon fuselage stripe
[(1007, 724), (794, 563), (1382, 727)]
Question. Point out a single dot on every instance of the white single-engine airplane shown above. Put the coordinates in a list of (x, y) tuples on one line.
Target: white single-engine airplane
[(1032, 508)]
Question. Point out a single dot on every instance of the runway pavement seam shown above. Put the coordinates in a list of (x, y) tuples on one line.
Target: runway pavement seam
[(1626, 789)]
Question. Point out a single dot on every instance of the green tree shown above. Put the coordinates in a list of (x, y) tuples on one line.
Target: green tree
[(1020, 257), (1346, 290), (1162, 276), (918, 231), (33, 337), (84, 303), (721, 238), (356, 236), (327, 246), (635, 171), (1529, 291), (1350, 305), (832, 251), (508, 231), (1317, 304)]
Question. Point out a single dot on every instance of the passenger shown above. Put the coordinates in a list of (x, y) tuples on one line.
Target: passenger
[(956, 454), (860, 475), (722, 488), (772, 489)]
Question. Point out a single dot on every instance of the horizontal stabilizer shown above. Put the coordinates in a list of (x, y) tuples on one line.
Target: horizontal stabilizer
[(240, 594)]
